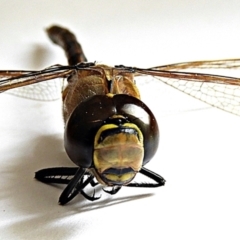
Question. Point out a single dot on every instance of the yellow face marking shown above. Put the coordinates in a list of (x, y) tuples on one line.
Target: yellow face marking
[(118, 151), (102, 129), (120, 178)]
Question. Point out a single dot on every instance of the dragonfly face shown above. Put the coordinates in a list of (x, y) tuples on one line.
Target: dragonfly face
[(110, 134)]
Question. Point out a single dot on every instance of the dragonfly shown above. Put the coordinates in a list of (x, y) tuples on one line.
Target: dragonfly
[(110, 134)]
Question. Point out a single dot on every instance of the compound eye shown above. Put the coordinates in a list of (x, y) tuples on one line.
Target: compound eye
[(82, 127), (139, 114)]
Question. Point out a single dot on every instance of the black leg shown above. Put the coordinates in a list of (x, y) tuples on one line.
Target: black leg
[(160, 181), (93, 183), (83, 184), (74, 177), (56, 175), (64, 175), (90, 198), (114, 190), (74, 187)]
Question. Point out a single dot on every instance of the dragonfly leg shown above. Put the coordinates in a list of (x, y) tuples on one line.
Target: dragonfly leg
[(90, 198), (94, 183), (114, 190), (160, 181), (71, 176), (74, 187), (61, 175)]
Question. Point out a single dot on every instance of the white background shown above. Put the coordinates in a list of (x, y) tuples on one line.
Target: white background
[(199, 148)]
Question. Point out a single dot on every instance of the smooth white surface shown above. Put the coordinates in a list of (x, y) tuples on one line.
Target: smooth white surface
[(199, 150)]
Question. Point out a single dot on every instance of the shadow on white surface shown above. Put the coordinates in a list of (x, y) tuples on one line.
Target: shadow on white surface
[(33, 203)]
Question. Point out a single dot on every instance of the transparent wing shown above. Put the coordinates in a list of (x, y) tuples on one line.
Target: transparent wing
[(39, 85), (214, 64), (217, 90), (43, 91), (223, 96)]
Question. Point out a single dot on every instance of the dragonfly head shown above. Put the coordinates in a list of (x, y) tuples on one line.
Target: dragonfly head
[(113, 135)]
